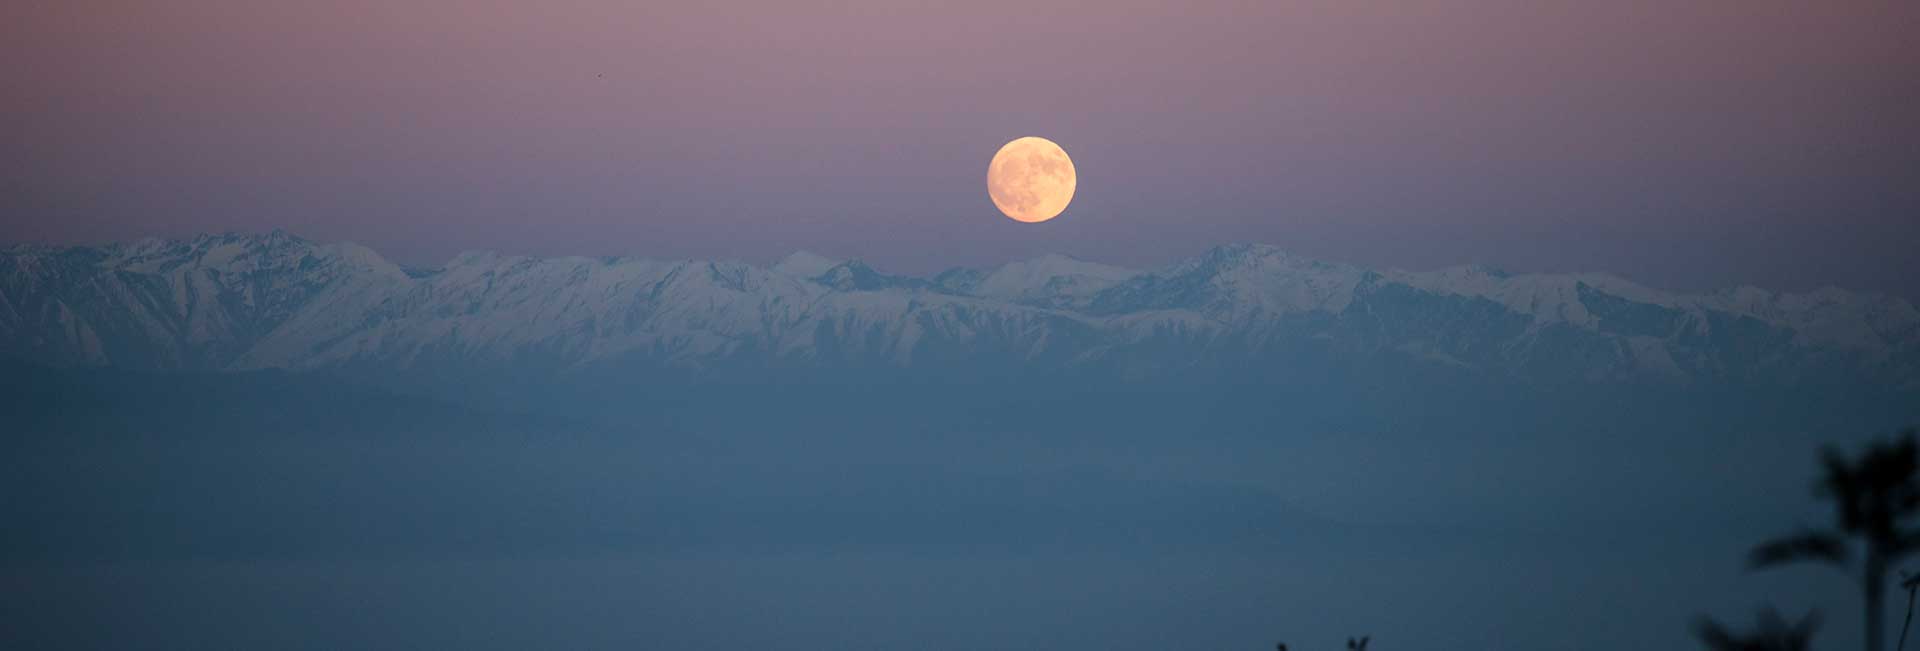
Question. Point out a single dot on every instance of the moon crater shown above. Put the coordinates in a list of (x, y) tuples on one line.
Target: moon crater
[(1031, 179)]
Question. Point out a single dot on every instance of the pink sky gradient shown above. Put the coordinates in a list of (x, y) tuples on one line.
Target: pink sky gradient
[(1686, 144)]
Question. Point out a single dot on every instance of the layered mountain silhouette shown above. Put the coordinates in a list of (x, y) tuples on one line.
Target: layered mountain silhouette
[(276, 301)]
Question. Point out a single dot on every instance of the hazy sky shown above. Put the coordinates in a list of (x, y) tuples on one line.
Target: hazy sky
[(1685, 144)]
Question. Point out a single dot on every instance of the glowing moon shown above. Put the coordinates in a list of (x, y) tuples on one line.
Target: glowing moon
[(1031, 179)]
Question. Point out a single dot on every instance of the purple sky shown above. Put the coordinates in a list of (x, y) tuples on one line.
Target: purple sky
[(1685, 144)]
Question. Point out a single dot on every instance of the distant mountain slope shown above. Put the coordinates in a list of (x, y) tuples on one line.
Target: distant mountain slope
[(233, 302)]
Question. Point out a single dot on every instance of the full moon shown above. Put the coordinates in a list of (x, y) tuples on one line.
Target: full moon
[(1031, 179)]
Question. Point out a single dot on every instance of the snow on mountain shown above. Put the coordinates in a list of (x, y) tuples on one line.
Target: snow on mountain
[(560, 312), (277, 301), (1051, 281), (1830, 318), (1236, 283), (199, 303), (804, 264), (854, 275)]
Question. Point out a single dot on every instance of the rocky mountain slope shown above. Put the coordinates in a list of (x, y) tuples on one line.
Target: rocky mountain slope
[(238, 302)]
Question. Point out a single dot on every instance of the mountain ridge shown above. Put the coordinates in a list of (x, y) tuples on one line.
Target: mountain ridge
[(239, 302)]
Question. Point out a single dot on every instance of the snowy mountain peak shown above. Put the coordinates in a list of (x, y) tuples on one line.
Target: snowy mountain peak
[(804, 264), (1056, 264), (1052, 280), (959, 280), (1242, 253), (854, 275), (474, 258)]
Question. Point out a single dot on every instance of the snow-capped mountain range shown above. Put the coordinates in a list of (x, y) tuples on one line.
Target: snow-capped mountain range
[(240, 302)]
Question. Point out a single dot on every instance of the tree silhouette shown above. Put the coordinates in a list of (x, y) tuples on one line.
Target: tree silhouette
[(1872, 497), (1911, 583), (1772, 633), (1353, 644)]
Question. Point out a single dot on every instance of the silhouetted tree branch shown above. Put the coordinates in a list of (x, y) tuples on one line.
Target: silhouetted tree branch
[(1873, 495), (1911, 583), (1771, 633)]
